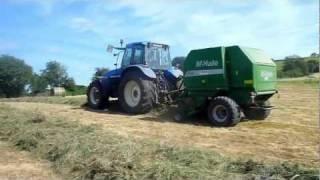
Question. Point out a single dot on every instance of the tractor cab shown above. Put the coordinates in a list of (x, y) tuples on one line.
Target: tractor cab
[(153, 55)]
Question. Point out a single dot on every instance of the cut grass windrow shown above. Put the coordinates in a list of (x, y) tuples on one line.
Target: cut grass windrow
[(88, 152)]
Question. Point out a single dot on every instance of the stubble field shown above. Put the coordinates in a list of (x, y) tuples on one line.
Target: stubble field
[(289, 135)]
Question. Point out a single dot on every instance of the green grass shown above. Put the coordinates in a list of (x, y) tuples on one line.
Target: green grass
[(88, 152)]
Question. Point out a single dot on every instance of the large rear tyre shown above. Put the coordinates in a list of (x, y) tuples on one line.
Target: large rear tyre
[(258, 113), (223, 111), (96, 98), (137, 94)]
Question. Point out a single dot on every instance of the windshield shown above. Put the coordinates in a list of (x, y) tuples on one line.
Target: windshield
[(158, 58)]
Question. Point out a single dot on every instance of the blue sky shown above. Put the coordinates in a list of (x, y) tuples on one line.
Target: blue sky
[(76, 32)]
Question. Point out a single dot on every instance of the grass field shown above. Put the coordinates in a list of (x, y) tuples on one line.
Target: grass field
[(83, 143)]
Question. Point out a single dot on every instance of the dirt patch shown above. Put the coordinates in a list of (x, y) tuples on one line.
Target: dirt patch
[(18, 165)]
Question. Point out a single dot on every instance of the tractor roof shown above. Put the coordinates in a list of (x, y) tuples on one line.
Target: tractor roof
[(144, 43)]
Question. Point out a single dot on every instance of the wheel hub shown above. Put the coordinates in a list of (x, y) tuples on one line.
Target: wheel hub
[(95, 95), (220, 113), (132, 93)]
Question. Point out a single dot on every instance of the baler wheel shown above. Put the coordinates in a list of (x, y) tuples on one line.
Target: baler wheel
[(223, 111)]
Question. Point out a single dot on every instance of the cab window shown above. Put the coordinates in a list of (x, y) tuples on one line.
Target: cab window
[(138, 56), (127, 57)]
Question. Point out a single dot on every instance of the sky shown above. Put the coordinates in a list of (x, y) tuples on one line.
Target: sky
[(76, 32)]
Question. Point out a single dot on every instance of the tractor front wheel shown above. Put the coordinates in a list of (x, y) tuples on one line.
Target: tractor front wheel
[(137, 94), (95, 96), (223, 111)]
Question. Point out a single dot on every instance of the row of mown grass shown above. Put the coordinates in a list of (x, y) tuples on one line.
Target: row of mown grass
[(75, 101), (311, 83), (87, 152), (81, 100)]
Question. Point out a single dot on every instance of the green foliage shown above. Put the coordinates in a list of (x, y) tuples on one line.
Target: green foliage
[(88, 152), (38, 84), (69, 84), (294, 68), (77, 90), (313, 65), (100, 72), (14, 76), (178, 62), (297, 67), (57, 76)]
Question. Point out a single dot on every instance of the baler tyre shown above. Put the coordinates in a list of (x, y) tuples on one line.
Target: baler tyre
[(257, 114), (137, 94), (224, 111), (96, 98)]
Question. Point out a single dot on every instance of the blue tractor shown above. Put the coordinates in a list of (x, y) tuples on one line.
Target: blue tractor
[(145, 78)]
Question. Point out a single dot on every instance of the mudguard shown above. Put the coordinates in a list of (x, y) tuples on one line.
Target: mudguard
[(173, 75), (111, 80), (148, 72), (175, 72)]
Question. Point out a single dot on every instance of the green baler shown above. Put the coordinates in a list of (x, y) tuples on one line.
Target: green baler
[(227, 81)]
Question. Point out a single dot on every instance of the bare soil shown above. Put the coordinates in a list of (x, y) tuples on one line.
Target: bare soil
[(16, 165)]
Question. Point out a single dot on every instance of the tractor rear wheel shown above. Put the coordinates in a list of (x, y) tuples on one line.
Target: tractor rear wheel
[(96, 98), (223, 111), (137, 94), (258, 113)]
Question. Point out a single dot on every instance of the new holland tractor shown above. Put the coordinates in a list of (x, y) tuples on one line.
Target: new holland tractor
[(227, 83), (143, 80)]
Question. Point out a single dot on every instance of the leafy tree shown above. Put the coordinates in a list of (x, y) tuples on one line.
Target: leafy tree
[(294, 56), (14, 76), (56, 75), (314, 54), (295, 68), (178, 62), (38, 84), (100, 72), (69, 84), (313, 65)]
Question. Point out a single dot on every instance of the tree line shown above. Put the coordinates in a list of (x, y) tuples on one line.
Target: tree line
[(17, 78), (298, 67)]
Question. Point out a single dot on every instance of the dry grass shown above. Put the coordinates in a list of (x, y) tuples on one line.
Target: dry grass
[(289, 134), (89, 152), (70, 100), (18, 165)]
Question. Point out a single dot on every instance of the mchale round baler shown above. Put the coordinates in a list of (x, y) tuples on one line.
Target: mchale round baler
[(227, 82)]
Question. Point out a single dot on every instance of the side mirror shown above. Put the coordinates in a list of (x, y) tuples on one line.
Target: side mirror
[(109, 48)]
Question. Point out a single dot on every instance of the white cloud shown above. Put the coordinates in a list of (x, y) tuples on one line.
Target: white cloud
[(46, 7), (82, 24), (281, 27)]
